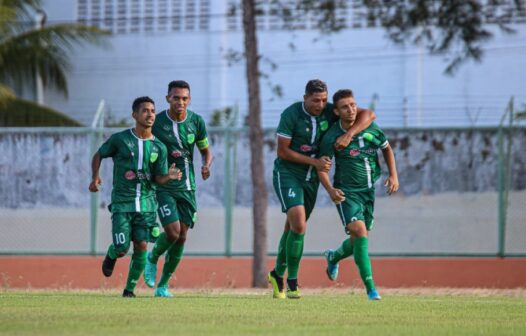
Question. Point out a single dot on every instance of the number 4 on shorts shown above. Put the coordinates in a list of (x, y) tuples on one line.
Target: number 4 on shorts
[(292, 194)]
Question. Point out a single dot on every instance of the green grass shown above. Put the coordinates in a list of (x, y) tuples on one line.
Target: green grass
[(234, 313)]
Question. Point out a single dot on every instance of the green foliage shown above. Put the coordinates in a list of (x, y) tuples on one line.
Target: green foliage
[(223, 117), (28, 52), (205, 313), (22, 113)]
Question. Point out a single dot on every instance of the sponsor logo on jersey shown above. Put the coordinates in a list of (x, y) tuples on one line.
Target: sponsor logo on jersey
[(354, 152), (167, 127), (144, 176), (190, 138), (176, 154), (129, 175), (154, 156), (305, 148), (324, 125)]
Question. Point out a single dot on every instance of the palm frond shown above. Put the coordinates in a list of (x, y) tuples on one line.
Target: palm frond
[(22, 113)]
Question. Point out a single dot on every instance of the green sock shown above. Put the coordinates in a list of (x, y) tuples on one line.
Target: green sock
[(161, 245), (281, 260), (172, 258), (345, 250), (294, 253), (137, 263), (361, 258), (111, 252)]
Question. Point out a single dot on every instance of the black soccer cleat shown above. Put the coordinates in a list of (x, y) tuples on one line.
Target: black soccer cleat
[(108, 265), (128, 294)]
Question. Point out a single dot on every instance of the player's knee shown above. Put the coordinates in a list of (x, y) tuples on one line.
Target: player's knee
[(140, 246), (182, 238), (172, 232), (357, 229), (122, 249)]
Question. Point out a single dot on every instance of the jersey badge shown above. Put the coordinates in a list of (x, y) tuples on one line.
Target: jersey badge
[(129, 175), (324, 125), (154, 156), (190, 138)]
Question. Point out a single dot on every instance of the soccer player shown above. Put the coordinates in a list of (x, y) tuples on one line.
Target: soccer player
[(180, 130), (357, 169), (300, 130), (138, 159)]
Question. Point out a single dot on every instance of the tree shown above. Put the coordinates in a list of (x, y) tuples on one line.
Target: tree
[(259, 189), (454, 28), (28, 53)]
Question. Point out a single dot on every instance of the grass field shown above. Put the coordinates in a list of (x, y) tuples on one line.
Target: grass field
[(252, 312)]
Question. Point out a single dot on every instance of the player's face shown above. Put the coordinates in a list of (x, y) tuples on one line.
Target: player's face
[(315, 103), (346, 109), (179, 99), (145, 116)]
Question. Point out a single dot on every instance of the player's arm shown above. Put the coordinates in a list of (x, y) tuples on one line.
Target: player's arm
[(174, 173), (287, 154), (95, 168), (336, 195), (364, 118), (392, 181), (206, 159)]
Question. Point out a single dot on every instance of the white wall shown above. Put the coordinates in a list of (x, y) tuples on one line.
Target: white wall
[(362, 59)]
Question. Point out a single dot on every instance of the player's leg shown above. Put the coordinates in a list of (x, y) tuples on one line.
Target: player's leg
[(137, 263), (275, 277), (298, 225), (169, 217), (187, 209), (346, 210), (359, 234), (121, 236), (141, 225)]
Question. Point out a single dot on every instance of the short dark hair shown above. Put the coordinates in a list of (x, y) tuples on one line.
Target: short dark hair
[(181, 84), (314, 86), (340, 94), (138, 101)]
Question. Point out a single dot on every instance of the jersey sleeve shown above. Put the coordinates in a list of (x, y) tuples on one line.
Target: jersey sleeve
[(108, 148), (202, 134), (384, 142), (327, 146), (161, 164), (286, 125)]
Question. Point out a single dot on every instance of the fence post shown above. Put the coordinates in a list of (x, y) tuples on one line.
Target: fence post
[(96, 137), (227, 201), (503, 179)]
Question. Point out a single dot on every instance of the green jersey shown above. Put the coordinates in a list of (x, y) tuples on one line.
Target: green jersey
[(357, 166), (180, 138), (305, 132), (135, 163)]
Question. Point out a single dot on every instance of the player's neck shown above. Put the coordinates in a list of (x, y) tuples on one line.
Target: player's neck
[(142, 132), (346, 124), (177, 116)]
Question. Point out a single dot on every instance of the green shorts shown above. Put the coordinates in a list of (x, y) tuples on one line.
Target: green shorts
[(358, 205), (132, 226), (293, 191), (177, 206)]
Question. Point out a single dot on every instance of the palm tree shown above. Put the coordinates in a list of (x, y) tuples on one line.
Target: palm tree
[(28, 53)]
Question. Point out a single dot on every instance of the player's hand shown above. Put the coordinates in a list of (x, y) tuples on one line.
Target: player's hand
[(95, 183), (174, 173), (323, 164), (337, 196), (392, 184), (343, 141), (205, 172)]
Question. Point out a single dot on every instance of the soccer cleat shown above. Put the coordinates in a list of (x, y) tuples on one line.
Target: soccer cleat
[(163, 292), (108, 265), (294, 294), (332, 268), (373, 295), (150, 272), (277, 286), (128, 294)]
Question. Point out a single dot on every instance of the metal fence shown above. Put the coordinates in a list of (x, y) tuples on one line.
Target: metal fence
[(463, 193)]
